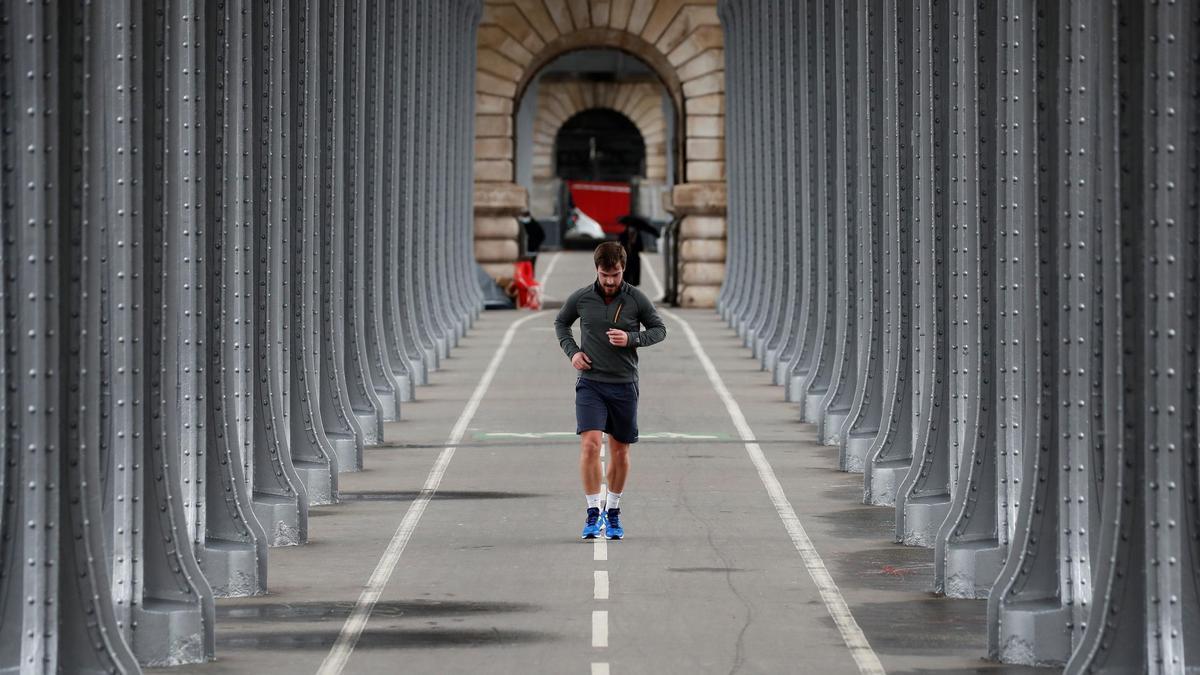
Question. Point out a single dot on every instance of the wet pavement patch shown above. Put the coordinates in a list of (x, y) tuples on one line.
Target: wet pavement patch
[(321, 611), (398, 638), (928, 625), (444, 495), (897, 568), (877, 523), (985, 668)]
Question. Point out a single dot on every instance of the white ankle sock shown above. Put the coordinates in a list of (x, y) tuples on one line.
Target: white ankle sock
[(614, 500), (593, 501)]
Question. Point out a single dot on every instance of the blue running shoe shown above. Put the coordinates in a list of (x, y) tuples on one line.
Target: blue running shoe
[(591, 528), (612, 525)]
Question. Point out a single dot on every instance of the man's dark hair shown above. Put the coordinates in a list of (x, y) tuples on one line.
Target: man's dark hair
[(609, 256)]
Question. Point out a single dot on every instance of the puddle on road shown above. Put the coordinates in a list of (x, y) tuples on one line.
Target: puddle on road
[(443, 495), (925, 625), (399, 638), (897, 568), (876, 523), (339, 610)]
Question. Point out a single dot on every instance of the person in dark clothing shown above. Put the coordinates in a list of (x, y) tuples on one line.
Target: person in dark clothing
[(631, 241), (611, 312), (533, 235)]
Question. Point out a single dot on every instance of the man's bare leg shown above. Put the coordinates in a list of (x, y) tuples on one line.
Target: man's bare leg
[(618, 465), (589, 461)]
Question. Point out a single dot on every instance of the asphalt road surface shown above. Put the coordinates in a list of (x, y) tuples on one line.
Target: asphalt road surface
[(746, 551)]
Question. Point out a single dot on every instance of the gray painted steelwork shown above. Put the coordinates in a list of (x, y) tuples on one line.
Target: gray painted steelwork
[(234, 236), (963, 236)]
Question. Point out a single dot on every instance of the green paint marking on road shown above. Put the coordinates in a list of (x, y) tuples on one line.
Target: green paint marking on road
[(658, 435), (493, 435)]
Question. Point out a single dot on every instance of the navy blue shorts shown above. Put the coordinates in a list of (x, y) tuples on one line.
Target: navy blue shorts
[(610, 407)]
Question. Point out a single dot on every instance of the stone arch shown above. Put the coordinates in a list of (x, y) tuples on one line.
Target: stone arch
[(681, 40), (640, 102)]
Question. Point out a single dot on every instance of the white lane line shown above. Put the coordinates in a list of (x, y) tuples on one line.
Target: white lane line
[(336, 660), (647, 264), (549, 268), (600, 549), (601, 585), (866, 658), (600, 669), (600, 628)]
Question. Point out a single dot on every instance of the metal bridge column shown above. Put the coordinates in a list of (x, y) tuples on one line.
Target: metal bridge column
[(280, 499), (890, 454), (233, 554), (312, 449)]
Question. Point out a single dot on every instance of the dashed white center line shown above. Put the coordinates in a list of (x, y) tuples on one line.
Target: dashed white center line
[(600, 628), (601, 585), (601, 549), (599, 669)]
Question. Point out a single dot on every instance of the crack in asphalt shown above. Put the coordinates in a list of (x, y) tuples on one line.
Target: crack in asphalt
[(739, 658)]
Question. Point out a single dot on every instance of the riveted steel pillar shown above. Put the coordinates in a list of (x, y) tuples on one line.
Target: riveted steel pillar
[(376, 360), (890, 453), (56, 612), (450, 328), (850, 90), (807, 361), (756, 257), (467, 254), (813, 384), (740, 123), (341, 426), (280, 498), (969, 552), (794, 326), (118, 223), (395, 339), (313, 453), (403, 284), (174, 622), (779, 233), (418, 103), (1017, 274), (922, 496), (1146, 589), (465, 250), (725, 13), (736, 125), (233, 554), (875, 94), (791, 327), (1061, 503), (768, 273), (361, 394)]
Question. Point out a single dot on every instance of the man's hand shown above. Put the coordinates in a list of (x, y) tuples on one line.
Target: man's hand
[(581, 361), (618, 337)]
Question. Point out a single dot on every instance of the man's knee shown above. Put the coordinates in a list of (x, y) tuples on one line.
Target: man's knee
[(619, 450), (589, 445)]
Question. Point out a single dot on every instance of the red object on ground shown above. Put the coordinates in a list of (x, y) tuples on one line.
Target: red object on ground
[(529, 291), (602, 201)]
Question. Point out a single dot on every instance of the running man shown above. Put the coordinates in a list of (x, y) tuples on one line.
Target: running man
[(606, 393)]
